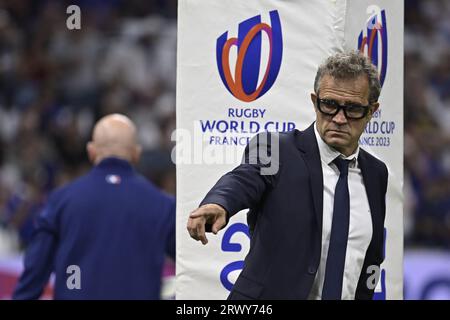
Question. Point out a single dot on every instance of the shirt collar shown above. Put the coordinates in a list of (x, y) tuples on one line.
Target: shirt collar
[(328, 154), (114, 164)]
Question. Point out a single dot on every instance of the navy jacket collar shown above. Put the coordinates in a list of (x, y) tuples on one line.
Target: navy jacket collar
[(114, 165)]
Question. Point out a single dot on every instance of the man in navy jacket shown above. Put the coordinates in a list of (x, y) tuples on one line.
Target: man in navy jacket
[(316, 200), (105, 235)]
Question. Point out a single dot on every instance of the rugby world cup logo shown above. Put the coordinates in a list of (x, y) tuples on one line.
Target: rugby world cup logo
[(246, 84), (374, 42)]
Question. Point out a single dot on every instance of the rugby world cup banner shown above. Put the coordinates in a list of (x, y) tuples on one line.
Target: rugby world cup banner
[(246, 67), (376, 28)]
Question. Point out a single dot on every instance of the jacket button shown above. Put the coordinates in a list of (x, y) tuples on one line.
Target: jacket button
[(311, 270)]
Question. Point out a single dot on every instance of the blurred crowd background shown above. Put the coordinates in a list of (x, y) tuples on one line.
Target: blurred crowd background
[(427, 123), (55, 83)]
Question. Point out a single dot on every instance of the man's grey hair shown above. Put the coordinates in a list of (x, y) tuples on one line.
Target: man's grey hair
[(350, 65)]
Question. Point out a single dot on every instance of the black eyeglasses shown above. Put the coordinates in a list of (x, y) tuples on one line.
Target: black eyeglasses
[(352, 111)]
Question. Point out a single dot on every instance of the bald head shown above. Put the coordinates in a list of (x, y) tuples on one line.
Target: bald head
[(114, 136)]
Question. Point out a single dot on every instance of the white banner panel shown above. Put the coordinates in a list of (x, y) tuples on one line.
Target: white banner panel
[(376, 27), (224, 97)]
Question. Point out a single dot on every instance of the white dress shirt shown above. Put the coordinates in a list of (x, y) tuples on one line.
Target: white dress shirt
[(360, 227)]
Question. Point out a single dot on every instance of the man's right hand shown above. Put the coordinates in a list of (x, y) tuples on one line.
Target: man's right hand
[(206, 214)]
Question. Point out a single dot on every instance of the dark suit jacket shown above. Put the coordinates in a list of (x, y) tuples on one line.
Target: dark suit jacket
[(111, 223), (285, 217)]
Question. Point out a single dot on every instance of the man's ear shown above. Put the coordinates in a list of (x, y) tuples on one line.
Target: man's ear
[(137, 154), (314, 99), (374, 107), (91, 151)]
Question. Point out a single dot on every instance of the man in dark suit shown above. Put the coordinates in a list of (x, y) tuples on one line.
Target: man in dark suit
[(106, 234), (316, 222)]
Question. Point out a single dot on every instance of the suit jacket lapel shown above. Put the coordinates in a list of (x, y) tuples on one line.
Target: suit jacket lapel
[(307, 144)]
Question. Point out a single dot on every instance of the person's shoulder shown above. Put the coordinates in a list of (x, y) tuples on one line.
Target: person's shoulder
[(282, 137), (155, 198), (150, 187), (291, 139), (292, 135), (283, 134), (63, 192), (374, 161)]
